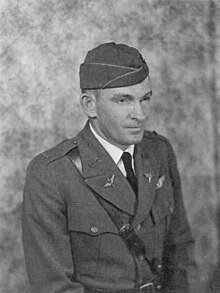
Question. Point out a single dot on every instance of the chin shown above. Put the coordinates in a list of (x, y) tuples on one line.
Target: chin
[(135, 140)]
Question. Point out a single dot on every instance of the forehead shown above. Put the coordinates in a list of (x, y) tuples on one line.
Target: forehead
[(137, 90)]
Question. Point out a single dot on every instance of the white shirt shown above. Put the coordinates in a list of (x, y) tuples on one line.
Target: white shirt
[(114, 151)]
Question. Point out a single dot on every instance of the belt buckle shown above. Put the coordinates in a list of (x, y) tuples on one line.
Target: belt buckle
[(147, 288)]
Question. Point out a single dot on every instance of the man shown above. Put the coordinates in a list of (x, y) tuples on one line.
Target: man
[(103, 212)]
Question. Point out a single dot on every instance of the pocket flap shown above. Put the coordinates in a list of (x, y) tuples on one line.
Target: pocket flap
[(90, 219), (161, 211)]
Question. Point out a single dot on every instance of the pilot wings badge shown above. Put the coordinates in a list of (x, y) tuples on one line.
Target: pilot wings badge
[(149, 176), (110, 182)]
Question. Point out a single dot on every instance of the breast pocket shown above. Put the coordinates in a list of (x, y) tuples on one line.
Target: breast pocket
[(161, 212), (86, 225)]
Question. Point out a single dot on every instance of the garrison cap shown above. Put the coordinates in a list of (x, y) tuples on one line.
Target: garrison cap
[(112, 65)]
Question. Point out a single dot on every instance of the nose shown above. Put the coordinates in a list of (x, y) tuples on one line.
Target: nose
[(139, 112)]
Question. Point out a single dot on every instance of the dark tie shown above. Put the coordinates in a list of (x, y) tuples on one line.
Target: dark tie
[(126, 158)]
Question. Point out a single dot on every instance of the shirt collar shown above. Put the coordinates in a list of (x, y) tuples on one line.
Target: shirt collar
[(113, 150)]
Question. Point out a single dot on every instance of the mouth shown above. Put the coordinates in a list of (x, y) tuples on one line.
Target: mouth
[(136, 129)]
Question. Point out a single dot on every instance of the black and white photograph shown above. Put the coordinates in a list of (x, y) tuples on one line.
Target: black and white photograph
[(110, 146)]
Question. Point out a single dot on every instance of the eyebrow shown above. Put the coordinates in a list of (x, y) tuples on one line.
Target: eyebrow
[(149, 94), (130, 97)]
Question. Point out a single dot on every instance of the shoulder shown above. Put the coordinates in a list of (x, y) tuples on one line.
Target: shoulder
[(58, 151), (51, 155), (158, 145), (156, 138)]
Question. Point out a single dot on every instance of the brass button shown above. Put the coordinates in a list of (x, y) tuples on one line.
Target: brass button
[(94, 229), (159, 287), (159, 266)]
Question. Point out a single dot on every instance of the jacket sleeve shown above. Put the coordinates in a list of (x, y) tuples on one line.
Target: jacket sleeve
[(45, 237), (178, 248)]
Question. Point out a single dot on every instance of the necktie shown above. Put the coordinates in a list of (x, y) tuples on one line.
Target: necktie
[(126, 158)]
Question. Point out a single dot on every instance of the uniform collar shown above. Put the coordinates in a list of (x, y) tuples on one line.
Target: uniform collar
[(113, 150)]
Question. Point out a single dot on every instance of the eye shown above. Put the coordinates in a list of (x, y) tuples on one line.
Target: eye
[(146, 99), (122, 101)]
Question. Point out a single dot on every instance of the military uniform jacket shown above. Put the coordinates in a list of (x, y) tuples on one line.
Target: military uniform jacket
[(70, 242)]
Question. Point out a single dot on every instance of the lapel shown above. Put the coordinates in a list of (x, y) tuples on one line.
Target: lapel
[(147, 172), (101, 173)]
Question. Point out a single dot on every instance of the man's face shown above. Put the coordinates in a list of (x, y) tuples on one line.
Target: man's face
[(121, 113)]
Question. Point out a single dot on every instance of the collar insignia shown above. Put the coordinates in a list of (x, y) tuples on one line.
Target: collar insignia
[(110, 181), (149, 176), (94, 162)]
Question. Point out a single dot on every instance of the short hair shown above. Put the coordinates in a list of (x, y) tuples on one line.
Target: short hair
[(95, 92)]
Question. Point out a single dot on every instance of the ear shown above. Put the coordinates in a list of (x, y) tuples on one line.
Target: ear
[(88, 104)]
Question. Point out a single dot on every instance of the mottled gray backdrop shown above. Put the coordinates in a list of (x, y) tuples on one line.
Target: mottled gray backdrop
[(42, 44)]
